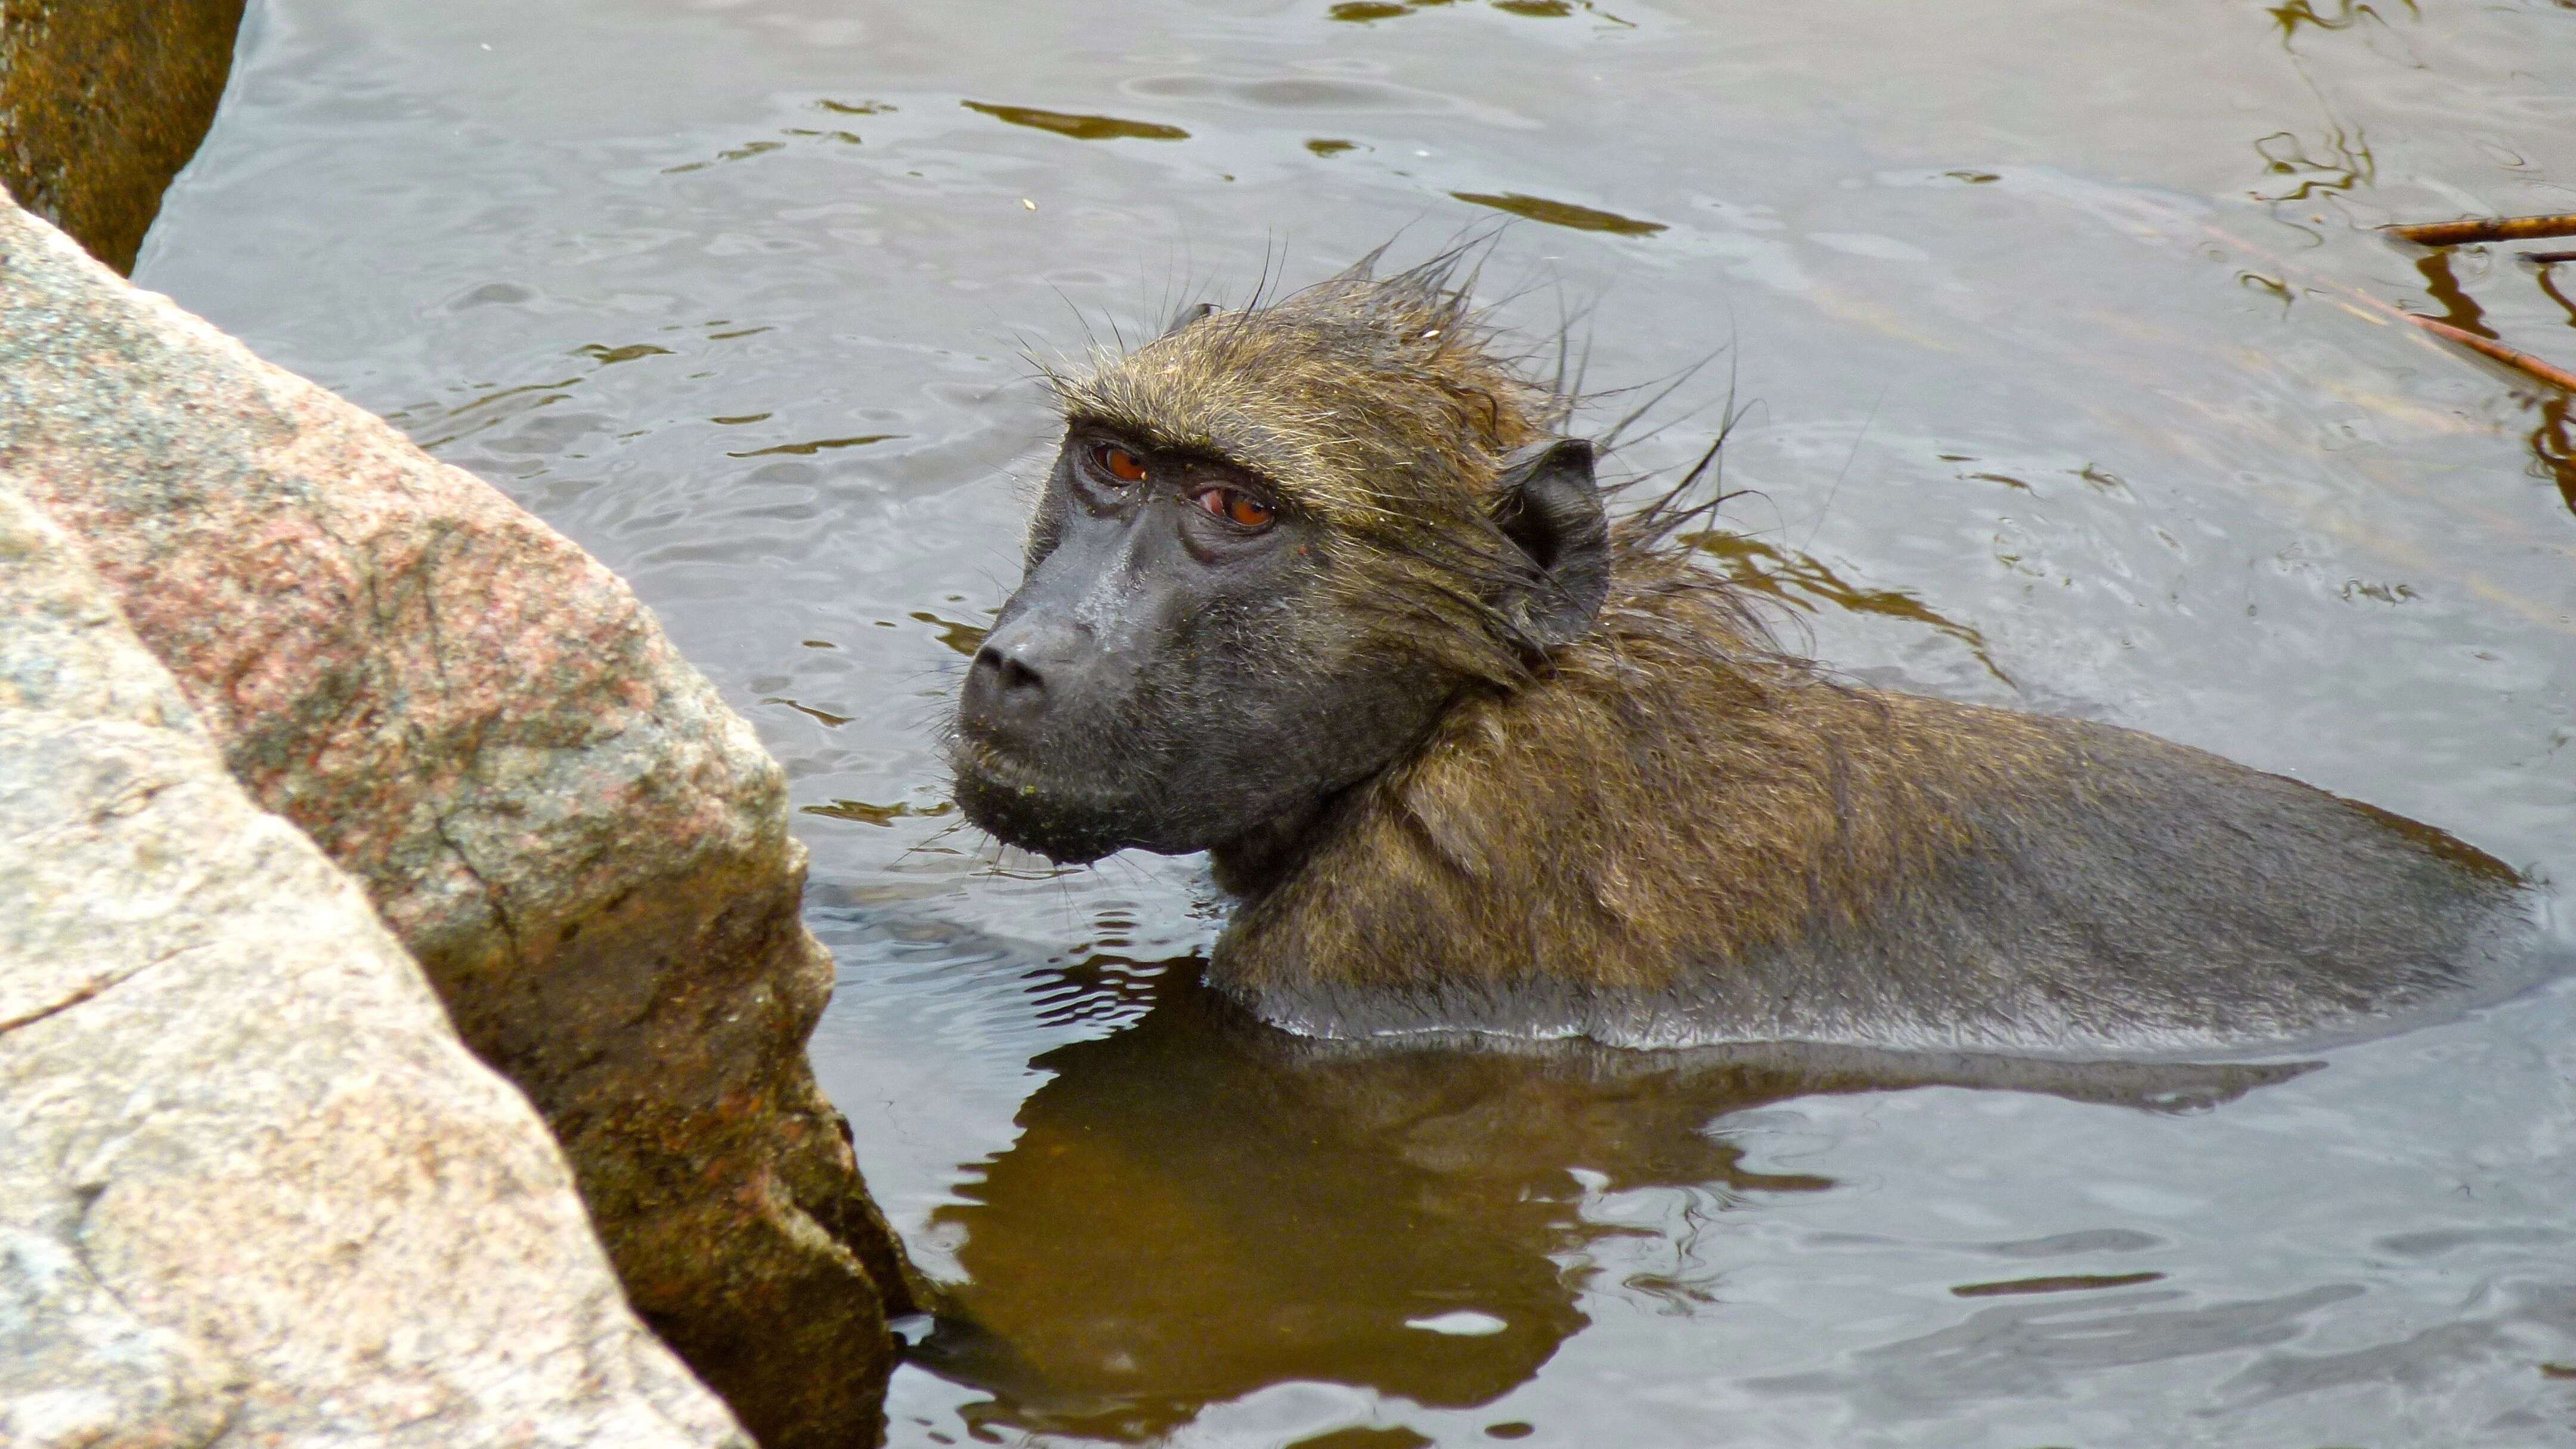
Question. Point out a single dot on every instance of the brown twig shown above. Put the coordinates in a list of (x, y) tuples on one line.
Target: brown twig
[(2543, 259), (2522, 362), (2362, 304), (2485, 229)]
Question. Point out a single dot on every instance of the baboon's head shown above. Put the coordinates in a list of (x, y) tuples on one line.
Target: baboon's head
[(1275, 544)]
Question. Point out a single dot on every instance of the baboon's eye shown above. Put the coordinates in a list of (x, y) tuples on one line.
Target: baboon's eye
[(1237, 507), (1120, 464)]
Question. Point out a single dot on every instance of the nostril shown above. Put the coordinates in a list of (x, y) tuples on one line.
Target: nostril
[(1022, 681), (1000, 674), (1018, 677)]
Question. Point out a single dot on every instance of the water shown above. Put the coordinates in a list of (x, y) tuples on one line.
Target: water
[(2067, 390)]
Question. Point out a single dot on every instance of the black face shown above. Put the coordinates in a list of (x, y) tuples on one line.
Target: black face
[(1167, 676)]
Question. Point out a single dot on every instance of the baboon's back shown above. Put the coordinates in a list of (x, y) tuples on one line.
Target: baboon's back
[(1851, 866), (2130, 890)]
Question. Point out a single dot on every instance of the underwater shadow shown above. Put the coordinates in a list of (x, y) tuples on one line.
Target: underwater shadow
[(1199, 1205)]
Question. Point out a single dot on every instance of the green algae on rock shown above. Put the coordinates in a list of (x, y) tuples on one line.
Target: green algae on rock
[(102, 103)]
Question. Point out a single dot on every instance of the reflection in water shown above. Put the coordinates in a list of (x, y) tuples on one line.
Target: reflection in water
[(2345, 164), (1364, 11), (485, 410), (867, 813), (957, 637), (607, 356), (2348, 13), (2054, 1283), (1561, 213), (823, 717), (749, 149), (2553, 445), (1198, 1205), (818, 445), (2273, 285), (2458, 307), (2547, 277), (1802, 582), (743, 152), (1079, 127), (846, 138)]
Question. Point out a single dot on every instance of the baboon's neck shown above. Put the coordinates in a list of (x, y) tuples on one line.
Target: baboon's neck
[(1254, 863), (1646, 800), (1549, 784), (1251, 864)]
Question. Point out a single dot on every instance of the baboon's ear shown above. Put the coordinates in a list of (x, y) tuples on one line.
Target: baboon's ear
[(1189, 313), (1545, 503)]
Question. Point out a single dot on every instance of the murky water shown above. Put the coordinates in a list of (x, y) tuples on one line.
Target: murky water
[(2069, 390)]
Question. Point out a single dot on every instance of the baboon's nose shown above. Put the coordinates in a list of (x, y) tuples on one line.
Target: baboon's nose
[(1006, 696)]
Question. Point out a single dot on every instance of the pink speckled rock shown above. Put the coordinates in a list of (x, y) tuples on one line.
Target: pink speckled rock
[(253, 1190), (586, 851)]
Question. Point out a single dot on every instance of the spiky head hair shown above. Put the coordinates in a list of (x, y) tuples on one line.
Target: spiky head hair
[(1379, 405)]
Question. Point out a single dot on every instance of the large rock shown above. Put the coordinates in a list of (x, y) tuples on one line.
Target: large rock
[(101, 103), (586, 851), (252, 1188)]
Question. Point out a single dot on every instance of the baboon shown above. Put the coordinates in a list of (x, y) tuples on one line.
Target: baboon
[(1323, 587)]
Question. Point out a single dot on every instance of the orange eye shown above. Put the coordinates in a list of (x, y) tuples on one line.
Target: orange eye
[(1120, 464), (1238, 508)]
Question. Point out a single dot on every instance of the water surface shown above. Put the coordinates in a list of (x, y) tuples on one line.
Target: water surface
[(2069, 387)]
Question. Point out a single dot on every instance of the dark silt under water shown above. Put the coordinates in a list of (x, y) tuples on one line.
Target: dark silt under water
[(2066, 392)]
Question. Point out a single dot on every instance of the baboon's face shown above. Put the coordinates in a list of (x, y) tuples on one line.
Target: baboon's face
[(1170, 675)]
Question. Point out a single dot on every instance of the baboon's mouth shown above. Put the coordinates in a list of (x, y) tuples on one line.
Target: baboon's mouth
[(1026, 805)]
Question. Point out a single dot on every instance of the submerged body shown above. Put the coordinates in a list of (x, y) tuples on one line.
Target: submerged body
[(1323, 588)]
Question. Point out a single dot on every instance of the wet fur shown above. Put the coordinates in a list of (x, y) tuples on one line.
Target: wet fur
[(1659, 840), (1668, 831)]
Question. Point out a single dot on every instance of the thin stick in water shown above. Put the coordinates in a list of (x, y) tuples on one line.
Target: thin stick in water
[(2523, 362), (2485, 229)]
